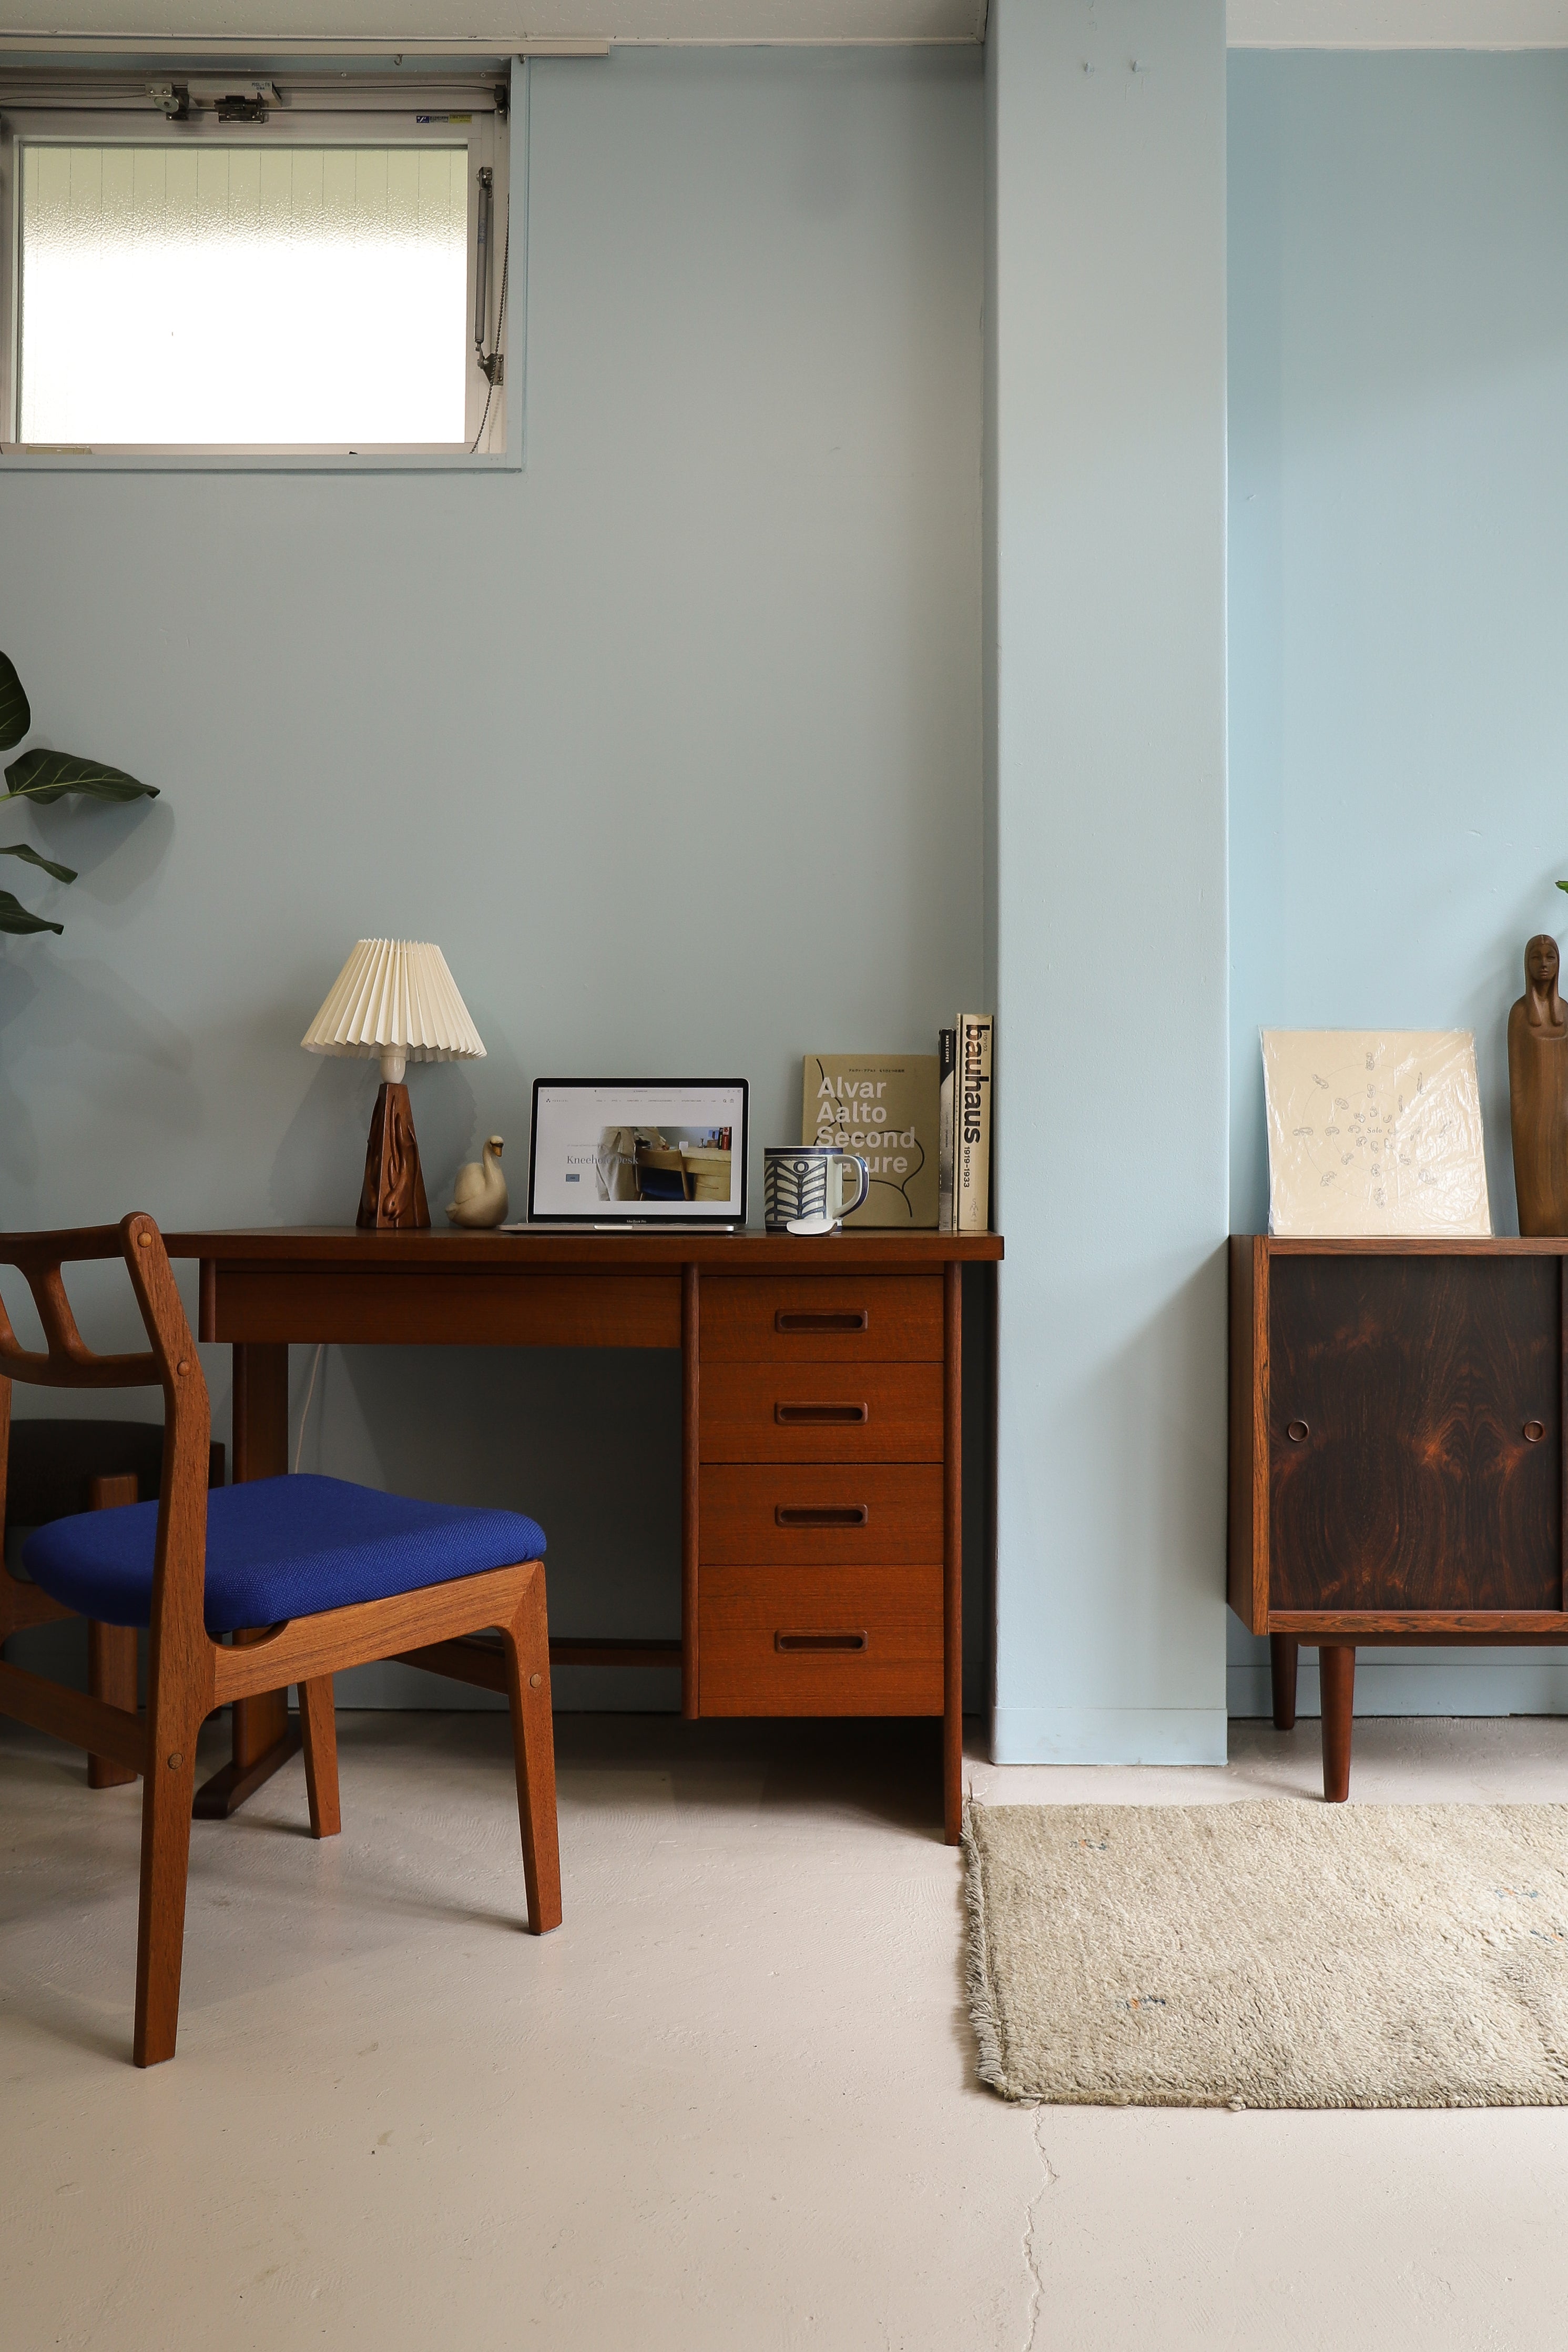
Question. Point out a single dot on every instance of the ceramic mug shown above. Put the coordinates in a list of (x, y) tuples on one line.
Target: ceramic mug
[(805, 1186)]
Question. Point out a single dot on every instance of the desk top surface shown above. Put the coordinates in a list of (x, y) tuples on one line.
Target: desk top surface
[(451, 1250)]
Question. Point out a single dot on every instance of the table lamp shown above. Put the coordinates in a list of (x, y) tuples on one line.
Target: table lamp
[(395, 998)]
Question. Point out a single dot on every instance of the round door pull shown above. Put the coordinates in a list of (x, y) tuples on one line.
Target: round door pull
[(1534, 1430), (1295, 1430)]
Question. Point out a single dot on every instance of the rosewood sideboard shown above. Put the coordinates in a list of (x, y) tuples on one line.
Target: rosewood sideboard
[(1397, 1454), (820, 1440)]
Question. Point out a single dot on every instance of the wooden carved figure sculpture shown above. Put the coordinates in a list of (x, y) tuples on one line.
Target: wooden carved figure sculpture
[(1537, 1093)]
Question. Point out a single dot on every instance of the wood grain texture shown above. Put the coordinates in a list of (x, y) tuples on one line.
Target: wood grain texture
[(1537, 1093), (1284, 1657), (1412, 1625), (260, 1724), (821, 1413), (763, 1629), (368, 1630), (1248, 1516), (391, 1196), (823, 1318), (1336, 1681), (112, 1649), (452, 1249), (1400, 1474), (393, 1305), (902, 1507), (525, 1638), (319, 1735), (229, 1788), (691, 1497), (72, 1715)]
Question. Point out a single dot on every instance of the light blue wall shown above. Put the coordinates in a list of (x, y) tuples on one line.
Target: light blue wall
[(672, 741), (1106, 649), (1398, 598)]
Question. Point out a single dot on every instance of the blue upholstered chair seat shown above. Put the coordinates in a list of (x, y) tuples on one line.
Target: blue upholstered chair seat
[(278, 1548)]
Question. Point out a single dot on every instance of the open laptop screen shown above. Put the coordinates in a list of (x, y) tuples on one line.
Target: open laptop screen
[(630, 1151)]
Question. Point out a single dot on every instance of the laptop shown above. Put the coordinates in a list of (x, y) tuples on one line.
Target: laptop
[(614, 1155)]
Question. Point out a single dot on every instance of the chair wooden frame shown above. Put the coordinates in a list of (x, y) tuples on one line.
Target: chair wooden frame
[(189, 1672)]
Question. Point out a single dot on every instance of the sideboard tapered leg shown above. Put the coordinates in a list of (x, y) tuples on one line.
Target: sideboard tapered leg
[(1283, 1652), (1336, 1672)]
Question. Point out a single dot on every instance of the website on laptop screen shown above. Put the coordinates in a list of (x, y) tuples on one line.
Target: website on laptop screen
[(673, 1150)]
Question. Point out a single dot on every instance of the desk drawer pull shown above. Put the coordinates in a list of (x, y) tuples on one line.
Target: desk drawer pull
[(802, 1320), (840, 1515), (816, 1644), (820, 1416)]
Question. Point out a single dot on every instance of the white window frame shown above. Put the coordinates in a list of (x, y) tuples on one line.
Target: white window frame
[(350, 116)]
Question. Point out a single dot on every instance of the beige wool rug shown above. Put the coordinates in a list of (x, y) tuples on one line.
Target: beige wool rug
[(1275, 1955)]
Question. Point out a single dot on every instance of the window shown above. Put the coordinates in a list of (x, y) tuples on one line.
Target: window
[(261, 274)]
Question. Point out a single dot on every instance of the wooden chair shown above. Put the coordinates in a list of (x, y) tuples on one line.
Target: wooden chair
[(338, 1575), (53, 1470)]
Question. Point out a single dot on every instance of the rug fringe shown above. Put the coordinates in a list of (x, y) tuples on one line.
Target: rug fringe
[(978, 1964)]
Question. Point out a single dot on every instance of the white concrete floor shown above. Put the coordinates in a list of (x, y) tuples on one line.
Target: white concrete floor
[(731, 2103)]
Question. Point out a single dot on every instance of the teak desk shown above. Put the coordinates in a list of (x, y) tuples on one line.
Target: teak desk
[(820, 1444)]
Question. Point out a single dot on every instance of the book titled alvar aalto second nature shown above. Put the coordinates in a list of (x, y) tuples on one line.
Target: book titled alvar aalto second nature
[(884, 1106)]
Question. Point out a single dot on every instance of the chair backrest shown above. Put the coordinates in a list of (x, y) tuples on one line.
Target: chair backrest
[(169, 1361)]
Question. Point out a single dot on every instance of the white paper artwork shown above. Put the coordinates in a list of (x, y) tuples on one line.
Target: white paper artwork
[(1374, 1131)]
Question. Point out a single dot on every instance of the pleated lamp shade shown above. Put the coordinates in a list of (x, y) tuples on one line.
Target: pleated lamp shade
[(395, 998)]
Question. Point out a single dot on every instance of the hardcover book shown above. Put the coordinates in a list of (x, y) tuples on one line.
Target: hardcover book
[(972, 1140), (946, 1064), (882, 1106)]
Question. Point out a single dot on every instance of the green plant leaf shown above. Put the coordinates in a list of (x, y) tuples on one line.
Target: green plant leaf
[(14, 716), (20, 849), (48, 776), (15, 918), (1562, 885)]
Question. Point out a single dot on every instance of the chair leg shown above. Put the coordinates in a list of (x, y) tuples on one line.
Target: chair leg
[(1283, 1653), (1336, 1676), (526, 1645), (318, 1730), (167, 1792), (112, 1675), (112, 1649)]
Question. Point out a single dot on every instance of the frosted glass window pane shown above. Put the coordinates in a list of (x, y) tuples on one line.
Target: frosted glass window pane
[(243, 294)]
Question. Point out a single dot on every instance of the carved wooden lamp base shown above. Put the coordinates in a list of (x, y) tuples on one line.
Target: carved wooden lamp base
[(395, 999), (391, 1198)]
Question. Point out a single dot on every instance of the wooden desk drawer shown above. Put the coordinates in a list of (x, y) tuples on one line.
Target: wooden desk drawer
[(830, 1318), (836, 1512), (821, 1413), (820, 1641)]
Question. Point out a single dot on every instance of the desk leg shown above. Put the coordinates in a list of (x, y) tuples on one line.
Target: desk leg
[(952, 1551), (690, 1685), (262, 1734)]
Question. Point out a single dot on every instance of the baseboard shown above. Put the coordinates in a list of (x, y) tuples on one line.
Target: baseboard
[(1108, 1735), (1424, 1682)]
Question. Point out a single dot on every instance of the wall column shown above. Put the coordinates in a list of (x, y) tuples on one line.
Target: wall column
[(1105, 677)]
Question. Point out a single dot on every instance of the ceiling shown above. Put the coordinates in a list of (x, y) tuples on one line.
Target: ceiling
[(493, 26), (503, 27)]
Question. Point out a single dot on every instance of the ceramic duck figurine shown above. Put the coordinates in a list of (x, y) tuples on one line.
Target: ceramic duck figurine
[(480, 1195)]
